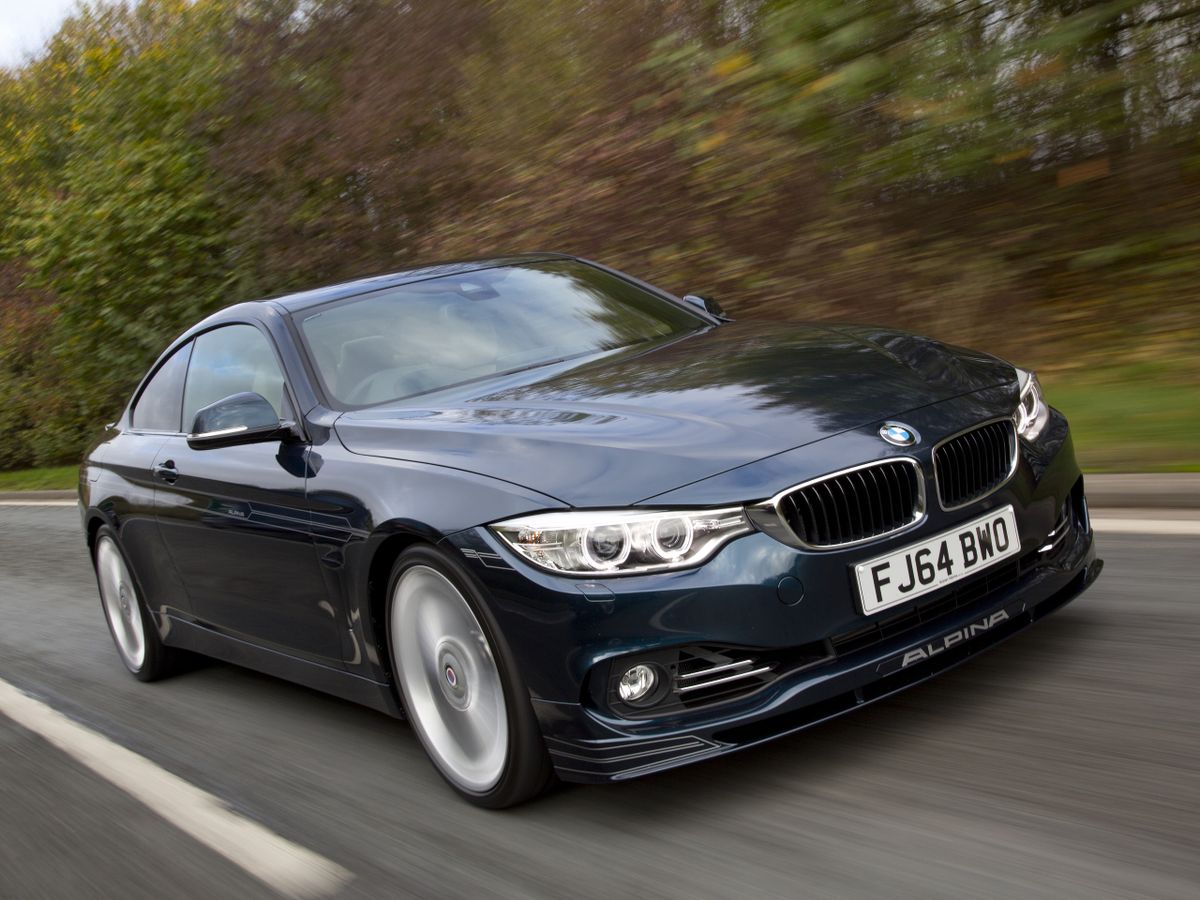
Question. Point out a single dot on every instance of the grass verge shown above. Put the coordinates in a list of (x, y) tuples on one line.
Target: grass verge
[(1135, 418), (50, 478)]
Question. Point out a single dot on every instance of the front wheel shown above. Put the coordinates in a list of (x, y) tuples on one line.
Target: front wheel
[(462, 693)]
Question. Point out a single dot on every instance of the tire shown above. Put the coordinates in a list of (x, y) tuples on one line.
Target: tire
[(459, 686), (133, 629)]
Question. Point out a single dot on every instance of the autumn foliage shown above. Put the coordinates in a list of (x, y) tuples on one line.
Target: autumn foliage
[(1022, 176)]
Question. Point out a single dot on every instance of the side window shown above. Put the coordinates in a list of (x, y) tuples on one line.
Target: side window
[(230, 360), (157, 409)]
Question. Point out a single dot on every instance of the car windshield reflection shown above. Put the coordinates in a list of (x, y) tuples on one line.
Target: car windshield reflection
[(432, 334)]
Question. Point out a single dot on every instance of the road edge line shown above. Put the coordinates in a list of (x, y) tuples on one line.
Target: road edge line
[(272, 859)]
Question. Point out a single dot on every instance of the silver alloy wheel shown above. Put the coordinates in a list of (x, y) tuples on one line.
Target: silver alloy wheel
[(120, 603), (451, 685)]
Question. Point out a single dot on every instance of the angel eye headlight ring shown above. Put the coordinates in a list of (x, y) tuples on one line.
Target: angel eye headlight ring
[(621, 542), (1032, 411)]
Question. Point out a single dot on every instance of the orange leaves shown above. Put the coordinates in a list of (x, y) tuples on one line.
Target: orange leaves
[(731, 65), (1084, 171), (711, 142), (1039, 71)]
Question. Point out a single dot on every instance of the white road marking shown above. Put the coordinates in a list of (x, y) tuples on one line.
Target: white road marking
[(1164, 527), (39, 503), (288, 868)]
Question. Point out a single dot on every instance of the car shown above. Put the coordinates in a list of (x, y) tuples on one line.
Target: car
[(570, 525)]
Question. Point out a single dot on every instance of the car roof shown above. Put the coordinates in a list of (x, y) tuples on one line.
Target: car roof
[(301, 300)]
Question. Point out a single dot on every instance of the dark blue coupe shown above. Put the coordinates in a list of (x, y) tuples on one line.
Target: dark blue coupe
[(571, 525)]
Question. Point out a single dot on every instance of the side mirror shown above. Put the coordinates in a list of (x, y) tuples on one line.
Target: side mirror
[(245, 418), (708, 305)]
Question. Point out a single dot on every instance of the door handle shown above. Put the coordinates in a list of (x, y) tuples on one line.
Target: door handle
[(165, 471)]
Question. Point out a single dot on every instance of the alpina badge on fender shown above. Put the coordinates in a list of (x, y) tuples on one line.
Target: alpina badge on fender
[(898, 434)]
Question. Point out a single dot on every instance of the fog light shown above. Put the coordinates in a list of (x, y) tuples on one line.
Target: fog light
[(637, 683)]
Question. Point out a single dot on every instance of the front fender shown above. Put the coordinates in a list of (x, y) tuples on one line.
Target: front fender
[(367, 509)]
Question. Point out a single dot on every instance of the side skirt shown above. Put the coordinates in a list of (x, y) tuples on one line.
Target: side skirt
[(206, 642)]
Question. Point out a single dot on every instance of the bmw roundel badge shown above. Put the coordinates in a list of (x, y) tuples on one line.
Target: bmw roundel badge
[(898, 434)]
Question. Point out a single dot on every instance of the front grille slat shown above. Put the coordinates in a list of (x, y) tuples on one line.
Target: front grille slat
[(831, 506), (987, 461), (971, 465), (1005, 444), (976, 472), (997, 443), (855, 505), (844, 507), (962, 481), (951, 470), (894, 495), (820, 526), (837, 501), (987, 456), (796, 517), (854, 500), (880, 496), (908, 499), (865, 510), (820, 517)]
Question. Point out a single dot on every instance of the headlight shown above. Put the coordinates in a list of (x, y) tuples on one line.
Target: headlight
[(1032, 412), (621, 542)]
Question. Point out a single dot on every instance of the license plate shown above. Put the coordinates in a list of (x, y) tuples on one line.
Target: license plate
[(892, 579)]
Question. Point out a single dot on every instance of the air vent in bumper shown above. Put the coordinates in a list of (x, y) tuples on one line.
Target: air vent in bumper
[(698, 676), (708, 674)]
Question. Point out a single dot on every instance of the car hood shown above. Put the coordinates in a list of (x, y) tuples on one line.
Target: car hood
[(638, 422)]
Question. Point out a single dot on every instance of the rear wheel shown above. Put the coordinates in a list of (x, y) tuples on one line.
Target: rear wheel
[(130, 623), (464, 697)]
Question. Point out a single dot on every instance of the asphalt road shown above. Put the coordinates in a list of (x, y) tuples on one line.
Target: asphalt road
[(1065, 763)]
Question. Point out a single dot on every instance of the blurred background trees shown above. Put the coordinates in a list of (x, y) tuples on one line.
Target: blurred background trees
[(1022, 176)]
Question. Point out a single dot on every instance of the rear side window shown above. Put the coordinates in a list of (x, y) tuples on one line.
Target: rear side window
[(157, 409), (231, 360)]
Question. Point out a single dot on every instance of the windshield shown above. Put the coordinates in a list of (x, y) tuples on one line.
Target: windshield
[(432, 334)]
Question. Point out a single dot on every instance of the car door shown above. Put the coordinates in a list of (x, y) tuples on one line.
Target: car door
[(128, 460), (235, 519)]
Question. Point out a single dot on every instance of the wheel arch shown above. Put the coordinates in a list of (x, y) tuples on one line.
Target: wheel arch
[(387, 543), (93, 521)]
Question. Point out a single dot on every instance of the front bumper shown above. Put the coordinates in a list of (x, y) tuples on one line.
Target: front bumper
[(569, 636), (589, 750)]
